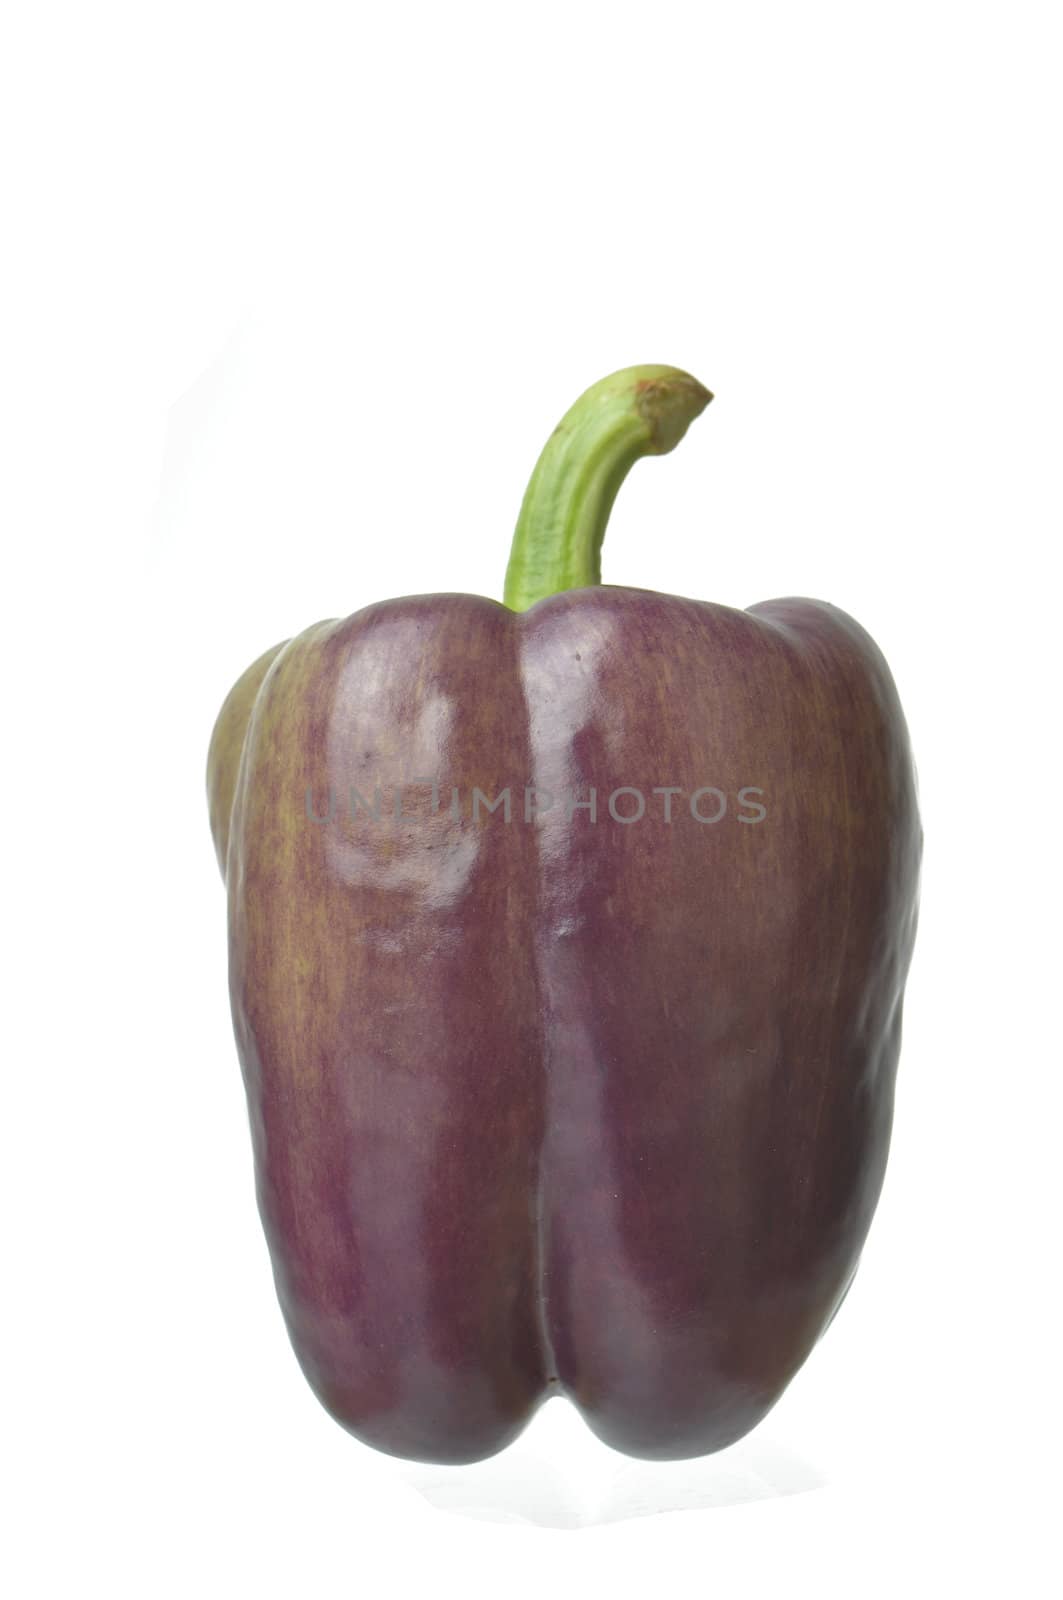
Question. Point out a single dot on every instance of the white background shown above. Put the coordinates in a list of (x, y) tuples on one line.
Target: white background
[(293, 296)]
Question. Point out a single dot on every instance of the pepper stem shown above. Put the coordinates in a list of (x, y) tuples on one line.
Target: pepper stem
[(639, 411)]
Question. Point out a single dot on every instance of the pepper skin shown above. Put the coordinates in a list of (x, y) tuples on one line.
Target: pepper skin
[(567, 1105)]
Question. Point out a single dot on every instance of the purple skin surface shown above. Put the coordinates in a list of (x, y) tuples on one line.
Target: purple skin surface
[(561, 1107)]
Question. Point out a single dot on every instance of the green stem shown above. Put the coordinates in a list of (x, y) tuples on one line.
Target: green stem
[(640, 411)]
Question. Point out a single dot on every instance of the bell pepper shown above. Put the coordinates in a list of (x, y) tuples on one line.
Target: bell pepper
[(567, 947)]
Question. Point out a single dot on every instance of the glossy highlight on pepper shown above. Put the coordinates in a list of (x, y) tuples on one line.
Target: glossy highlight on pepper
[(567, 1108)]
